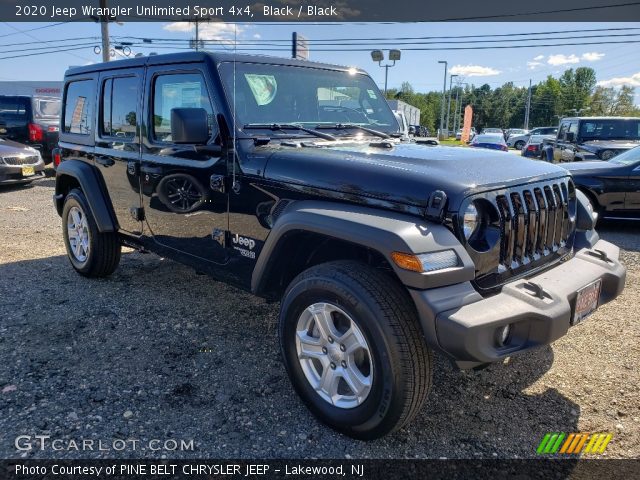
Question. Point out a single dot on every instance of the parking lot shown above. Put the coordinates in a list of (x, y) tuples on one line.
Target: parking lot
[(159, 352)]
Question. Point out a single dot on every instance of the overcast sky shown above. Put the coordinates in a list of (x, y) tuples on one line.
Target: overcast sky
[(615, 64)]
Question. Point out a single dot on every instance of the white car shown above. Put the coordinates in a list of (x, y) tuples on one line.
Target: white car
[(519, 141)]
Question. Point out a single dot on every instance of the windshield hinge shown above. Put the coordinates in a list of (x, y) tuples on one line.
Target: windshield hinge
[(257, 141), (436, 206)]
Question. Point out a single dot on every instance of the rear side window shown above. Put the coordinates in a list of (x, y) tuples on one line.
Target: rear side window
[(78, 108), (185, 90), (13, 108), (119, 102)]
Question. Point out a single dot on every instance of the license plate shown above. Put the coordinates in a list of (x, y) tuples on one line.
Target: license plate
[(586, 301), (28, 171)]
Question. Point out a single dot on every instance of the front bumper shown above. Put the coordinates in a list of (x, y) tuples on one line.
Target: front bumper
[(12, 174), (458, 321)]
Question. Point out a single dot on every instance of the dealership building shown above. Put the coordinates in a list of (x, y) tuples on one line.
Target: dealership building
[(35, 88)]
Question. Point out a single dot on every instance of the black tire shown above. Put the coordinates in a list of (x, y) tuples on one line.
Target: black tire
[(401, 360), (103, 256), (519, 145)]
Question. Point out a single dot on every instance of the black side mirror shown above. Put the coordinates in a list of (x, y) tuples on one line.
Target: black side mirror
[(570, 137), (189, 125)]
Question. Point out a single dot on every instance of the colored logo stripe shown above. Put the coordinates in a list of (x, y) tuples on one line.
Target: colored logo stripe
[(574, 443)]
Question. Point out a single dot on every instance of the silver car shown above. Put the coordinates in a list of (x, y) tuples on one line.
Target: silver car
[(519, 141)]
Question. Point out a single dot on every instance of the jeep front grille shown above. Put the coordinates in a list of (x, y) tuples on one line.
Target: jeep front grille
[(28, 160), (536, 224)]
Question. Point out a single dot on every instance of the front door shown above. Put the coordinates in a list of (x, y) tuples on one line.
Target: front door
[(182, 185), (632, 200), (117, 151)]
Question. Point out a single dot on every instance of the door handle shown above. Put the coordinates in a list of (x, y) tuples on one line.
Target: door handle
[(151, 170), (106, 161)]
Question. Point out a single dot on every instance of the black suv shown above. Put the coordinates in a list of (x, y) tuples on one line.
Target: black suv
[(33, 121), (593, 138), (288, 178)]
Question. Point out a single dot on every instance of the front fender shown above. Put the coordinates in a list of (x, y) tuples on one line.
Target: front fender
[(93, 188), (380, 230)]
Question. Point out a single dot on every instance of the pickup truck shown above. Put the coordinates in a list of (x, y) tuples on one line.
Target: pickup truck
[(592, 138)]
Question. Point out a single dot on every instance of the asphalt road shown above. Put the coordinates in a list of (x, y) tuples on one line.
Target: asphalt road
[(157, 354)]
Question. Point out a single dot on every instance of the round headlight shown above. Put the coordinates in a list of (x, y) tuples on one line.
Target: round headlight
[(470, 221)]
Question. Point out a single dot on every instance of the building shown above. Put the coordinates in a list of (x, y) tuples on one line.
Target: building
[(410, 112), (32, 88)]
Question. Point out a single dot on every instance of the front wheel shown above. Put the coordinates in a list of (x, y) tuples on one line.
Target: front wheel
[(353, 348), (519, 145), (92, 253)]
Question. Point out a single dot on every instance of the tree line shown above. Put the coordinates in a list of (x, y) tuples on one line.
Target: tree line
[(575, 92)]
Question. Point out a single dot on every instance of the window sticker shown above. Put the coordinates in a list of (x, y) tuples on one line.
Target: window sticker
[(263, 87), (372, 94)]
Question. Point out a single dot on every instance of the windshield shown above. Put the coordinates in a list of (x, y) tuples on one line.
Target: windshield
[(311, 97), (627, 158), (610, 129)]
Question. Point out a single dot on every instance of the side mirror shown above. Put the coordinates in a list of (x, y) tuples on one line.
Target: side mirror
[(570, 137), (189, 125)]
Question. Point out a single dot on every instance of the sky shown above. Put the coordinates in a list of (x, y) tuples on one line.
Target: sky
[(615, 64)]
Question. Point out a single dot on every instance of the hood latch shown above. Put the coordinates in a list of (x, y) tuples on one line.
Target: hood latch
[(436, 206)]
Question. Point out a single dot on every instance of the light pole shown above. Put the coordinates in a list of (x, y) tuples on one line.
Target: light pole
[(458, 109), (378, 56), (449, 102), (444, 97)]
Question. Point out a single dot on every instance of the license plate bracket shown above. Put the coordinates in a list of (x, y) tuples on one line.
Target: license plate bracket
[(587, 301)]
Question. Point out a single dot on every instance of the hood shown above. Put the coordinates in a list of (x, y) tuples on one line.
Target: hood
[(587, 168), (596, 145), (406, 173), (9, 147)]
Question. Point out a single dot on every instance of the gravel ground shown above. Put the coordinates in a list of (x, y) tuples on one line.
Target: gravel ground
[(159, 352)]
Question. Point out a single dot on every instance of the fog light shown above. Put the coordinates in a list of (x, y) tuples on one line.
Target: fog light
[(502, 335)]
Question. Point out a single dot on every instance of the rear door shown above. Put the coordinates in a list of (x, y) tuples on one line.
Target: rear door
[(117, 152), (14, 118)]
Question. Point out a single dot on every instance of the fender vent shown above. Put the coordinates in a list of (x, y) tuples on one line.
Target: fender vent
[(278, 208)]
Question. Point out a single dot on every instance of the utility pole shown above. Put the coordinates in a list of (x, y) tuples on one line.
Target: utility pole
[(526, 113), (104, 29), (456, 118), (449, 102), (444, 98)]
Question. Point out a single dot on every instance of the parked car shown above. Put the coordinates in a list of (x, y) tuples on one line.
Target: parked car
[(493, 141), (19, 163), (519, 141), (472, 134), (533, 147), (515, 131), (378, 250), (613, 187), (493, 130), (593, 138), (32, 121)]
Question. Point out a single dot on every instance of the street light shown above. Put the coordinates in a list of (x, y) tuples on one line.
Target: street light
[(378, 56), (444, 96), (449, 104)]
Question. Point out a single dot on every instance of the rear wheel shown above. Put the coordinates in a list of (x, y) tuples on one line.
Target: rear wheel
[(353, 348), (519, 145), (91, 253)]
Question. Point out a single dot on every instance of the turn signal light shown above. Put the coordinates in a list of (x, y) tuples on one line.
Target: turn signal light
[(407, 261)]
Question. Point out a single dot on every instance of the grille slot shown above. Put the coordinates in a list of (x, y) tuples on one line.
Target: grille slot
[(534, 222), (28, 160)]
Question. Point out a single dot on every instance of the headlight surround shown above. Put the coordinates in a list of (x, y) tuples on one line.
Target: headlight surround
[(470, 221)]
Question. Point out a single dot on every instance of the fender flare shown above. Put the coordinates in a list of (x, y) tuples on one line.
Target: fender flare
[(94, 190), (382, 231)]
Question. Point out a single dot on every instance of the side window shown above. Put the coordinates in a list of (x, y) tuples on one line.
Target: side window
[(564, 127), (13, 109), (78, 107), (119, 102), (182, 90), (573, 128)]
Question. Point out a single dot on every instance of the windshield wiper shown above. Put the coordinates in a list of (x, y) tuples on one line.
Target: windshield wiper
[(289, 126), (348, 126)]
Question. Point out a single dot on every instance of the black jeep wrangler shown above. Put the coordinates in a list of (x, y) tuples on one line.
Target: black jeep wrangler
[(289, 179), (592, 138)]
